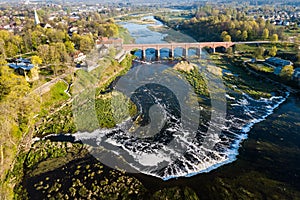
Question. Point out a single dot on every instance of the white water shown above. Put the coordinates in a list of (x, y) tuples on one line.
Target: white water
[(165, 161), (169, 161)]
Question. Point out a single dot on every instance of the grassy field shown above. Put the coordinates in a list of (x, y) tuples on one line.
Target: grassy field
[(55, 96), (245, 81)]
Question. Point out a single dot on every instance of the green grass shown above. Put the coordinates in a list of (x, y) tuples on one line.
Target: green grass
[(261, 67), (55, 96), (286, 47), (61, 121), (244, 80), (97, 81)]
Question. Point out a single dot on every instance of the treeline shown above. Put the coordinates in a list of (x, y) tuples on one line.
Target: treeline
[(51, 47), (209, 23), (56, 44), (16, 117)]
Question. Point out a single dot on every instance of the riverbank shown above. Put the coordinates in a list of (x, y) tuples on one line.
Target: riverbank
[(260, 170), (171, 34)]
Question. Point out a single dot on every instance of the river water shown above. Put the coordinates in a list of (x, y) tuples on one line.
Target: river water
[(255, 154), (162, 140), (143, 35), (260, 138)]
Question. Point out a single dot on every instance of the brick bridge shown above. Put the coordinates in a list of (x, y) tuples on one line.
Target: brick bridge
[(185, 47)]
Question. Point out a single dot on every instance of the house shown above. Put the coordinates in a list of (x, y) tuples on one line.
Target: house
[(21, 68), (105, 41), (79, 57)]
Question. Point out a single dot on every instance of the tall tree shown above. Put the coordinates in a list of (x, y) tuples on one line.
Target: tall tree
[(259, 52), (265, 34), (274, 38), (86, 43), (244, 35)]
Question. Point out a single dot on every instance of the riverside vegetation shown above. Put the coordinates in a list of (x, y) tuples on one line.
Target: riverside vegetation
[(64, 170), (50, 50)]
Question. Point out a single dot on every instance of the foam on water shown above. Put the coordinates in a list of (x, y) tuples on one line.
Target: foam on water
[(197, 159), (156, 157)]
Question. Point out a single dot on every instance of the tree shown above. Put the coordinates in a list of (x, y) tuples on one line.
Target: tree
[(227, 38), (223, 34), (36, 60), (258, 53), (10, 83), (11, 50), (2, 48), (17, 109), (273, 51), (244, 35), (43, 52), (70, 46), (86, 44), (274, 38), (62, 51), (238, 34), (229, 50), (287, 72), (36, 39), (34, 74), (76, 40), (265, 34)]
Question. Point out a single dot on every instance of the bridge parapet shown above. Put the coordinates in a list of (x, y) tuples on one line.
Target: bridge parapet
[(185, 46)]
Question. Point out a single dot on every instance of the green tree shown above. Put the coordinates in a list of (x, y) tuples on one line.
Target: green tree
[(287, 72), (76, 40), (36, 39), (259, 52), (43, 53), (86, 43), (238, 34), (274, 38), (17, 109), (62, 51), (273, 51), (11, 50), (229, 50), (17, 40), (265, 34), (36, 60), (244, 35), (223, 34), (227, 38), (4, 35), (2, 48), (70, 46)]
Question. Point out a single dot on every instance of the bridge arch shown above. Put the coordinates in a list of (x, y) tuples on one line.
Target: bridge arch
[(185, 47), (180, 51), (166, 52)]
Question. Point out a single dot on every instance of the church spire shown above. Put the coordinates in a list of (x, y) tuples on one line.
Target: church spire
[(36, 18)]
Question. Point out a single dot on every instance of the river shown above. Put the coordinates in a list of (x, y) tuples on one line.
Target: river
[(255, 155), (163, 140), (265, 148)]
